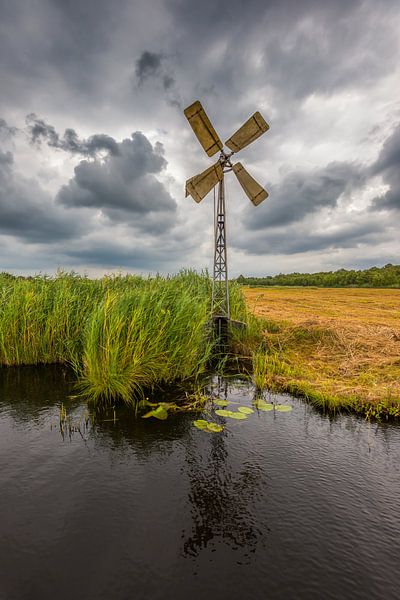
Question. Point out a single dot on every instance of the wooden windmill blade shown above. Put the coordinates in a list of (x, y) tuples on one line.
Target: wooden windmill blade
[(248, 132), (203, 128), (253, 190), (200, 185)]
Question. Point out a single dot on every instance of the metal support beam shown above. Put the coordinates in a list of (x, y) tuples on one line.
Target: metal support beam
[(220, 289)]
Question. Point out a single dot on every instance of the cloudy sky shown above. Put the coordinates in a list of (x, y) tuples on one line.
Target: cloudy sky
[(95, 150)]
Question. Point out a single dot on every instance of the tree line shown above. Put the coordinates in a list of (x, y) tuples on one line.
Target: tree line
[(387, 276)]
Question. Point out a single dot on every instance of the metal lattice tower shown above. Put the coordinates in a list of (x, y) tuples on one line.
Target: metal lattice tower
[(220, 290), (200, 185)]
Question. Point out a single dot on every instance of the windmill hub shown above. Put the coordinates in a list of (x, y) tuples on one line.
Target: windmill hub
[(225, 161), (200, 185)]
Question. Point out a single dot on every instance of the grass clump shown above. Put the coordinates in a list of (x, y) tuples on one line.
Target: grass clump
[(260, 367), (146, 337)]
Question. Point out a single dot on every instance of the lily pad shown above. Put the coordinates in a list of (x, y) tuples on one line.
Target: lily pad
[(145, 402), (148, 414), (208, 426), (159, 413), (230, 413), (262, 405), (283, 407), (222, 412), (221, 402), (200, 424), (215, 427), (245, 410), (237, 415)]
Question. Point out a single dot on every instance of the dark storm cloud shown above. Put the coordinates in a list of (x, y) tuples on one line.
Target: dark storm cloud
[(124, 180), (124, 185), (301, 194), (112, 254), (389, 156), (156, 67), (6, 158), (57, 39), (153, 65), (388, 166), (148, 65), (40, 130), (6, 131), (273, 56), (319, 52), (303, 238), (288, 222), (302, 47), (27, 211)]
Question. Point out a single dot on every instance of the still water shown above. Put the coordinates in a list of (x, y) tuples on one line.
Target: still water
[(281, 505)]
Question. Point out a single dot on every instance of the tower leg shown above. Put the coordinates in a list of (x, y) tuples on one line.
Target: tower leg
[(220, 290)]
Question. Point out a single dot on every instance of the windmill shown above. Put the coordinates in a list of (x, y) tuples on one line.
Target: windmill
[(200, 185)]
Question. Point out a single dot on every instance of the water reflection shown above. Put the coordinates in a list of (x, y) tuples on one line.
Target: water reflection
[(222, 501), (222, 498), (144, 504), (28, 392), (221, 495)]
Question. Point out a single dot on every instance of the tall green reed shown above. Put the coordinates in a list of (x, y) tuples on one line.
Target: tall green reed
[(120, 333)]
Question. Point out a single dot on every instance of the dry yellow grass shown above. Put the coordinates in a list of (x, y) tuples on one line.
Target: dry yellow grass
[(340, 344)]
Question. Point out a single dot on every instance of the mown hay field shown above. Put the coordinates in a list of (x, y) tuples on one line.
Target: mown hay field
[(340, 347)]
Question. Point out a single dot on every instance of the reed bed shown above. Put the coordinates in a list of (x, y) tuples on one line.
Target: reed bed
[(121, 334)]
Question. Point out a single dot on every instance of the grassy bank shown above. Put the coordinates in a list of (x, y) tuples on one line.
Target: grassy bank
[(124, 335), (340, 348), (120, 334)]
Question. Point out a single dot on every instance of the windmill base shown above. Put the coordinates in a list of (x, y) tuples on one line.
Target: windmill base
[(223, 325)]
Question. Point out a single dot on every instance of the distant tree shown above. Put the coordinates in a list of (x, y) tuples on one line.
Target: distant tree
[(387, 276)]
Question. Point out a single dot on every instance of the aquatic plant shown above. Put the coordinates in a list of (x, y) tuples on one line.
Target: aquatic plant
[(220, 402), (242, 413), (260, 367), (208, 426), (230, 413), (246, 410), (260, 404), (160, 412)]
